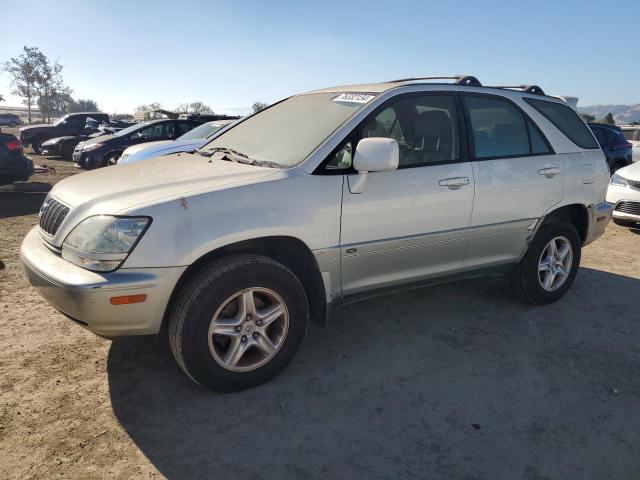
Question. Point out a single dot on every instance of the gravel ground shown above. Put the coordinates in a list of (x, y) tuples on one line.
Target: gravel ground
[(457, 381)]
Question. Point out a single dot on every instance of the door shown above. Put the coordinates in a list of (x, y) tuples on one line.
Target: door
[(408, 225), (518, 178)]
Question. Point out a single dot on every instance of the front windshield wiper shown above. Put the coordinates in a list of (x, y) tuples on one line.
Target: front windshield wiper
[(236, 156)]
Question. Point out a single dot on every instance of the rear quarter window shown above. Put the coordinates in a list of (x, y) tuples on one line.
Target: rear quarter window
[(565, 120)]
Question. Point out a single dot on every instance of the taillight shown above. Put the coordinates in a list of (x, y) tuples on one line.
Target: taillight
[(13, 145)]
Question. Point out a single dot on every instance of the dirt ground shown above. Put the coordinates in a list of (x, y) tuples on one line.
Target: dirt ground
[(455, 381)]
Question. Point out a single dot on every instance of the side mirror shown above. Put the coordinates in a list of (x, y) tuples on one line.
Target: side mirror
[(375, 154)]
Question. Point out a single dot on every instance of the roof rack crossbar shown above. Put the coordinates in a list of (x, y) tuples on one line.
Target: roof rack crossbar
[(534, 89), (468, 80)]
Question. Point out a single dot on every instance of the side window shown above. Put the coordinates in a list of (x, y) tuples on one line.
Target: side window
[(342, 160), (76, 121), (170, 130), (184, 127), (538, 145), (152, 132), (425, 127), (566, 120), (499, 129)]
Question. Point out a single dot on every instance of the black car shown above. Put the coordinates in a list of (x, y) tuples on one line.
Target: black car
[(64, 146), (614, 145), (71, 124), (9, 120), (105, 150), (13, 164), (206, 117)]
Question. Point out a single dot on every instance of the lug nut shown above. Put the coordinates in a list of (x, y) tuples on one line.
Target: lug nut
[(258, 322), (248, 318), (244, 338), (238, 328), (255, 335)]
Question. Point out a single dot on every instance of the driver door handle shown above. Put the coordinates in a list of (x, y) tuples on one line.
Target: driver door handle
[(455, 182), (549, 172)]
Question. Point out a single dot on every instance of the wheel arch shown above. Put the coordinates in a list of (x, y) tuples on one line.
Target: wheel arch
[(292, 252), (575, 213)]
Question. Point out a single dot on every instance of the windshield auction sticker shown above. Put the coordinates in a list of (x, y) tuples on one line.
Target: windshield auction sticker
[(353, 98)]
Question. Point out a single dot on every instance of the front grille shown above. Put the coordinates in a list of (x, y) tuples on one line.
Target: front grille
[(633, 184), (629, 207), (52, 214)]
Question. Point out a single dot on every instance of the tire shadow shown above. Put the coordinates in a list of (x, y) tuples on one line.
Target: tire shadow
[(453, 381)]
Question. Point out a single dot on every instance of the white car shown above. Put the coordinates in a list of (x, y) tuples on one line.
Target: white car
[(632, 134), (189, 142), (624, 194), (323, 198)]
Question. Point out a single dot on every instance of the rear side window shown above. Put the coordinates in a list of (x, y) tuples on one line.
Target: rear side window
[(566, 120), (501, 130)]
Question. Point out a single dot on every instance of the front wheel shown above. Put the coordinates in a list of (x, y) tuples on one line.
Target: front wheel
[(112, 159), (36, 147), (550, 265), (238, 322)]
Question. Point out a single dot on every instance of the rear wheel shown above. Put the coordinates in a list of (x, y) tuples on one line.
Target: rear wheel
[(112, 159), (67, 150), (238, 322), (36, 146), (550, 265)]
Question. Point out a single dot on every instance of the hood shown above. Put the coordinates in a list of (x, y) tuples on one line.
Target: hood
[(99, 139), (630, 172), (115, 189), (52, 141), (156, 147)]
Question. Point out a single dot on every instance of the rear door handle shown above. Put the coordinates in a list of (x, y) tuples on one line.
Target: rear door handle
[(549, 172), (455, 182)]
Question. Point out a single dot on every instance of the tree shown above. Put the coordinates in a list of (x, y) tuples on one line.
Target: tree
[(257, 106), (82, 105), (125, 117), (194, 107), (587, 117), (608, 119), (49, 85), (24, 73)]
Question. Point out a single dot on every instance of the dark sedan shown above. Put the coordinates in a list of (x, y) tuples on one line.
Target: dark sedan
[(614, 145), (106, 150), (13, 164)]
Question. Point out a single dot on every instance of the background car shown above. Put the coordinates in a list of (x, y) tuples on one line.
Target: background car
[(188, 142), (64, 146), (9, 120), (632, 134), (614, 145), (13, 164), (71, 124), (106, 150), (624, 194)]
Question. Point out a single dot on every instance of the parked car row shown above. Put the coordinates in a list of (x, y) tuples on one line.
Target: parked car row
[(9, 120), (614, 144)]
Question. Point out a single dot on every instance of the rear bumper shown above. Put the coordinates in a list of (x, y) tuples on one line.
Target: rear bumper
[(599, 217), (84, 296)]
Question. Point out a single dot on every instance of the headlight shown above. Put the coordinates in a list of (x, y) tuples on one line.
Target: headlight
[(53, 141), (102, 243), (93, 146), (618, 180)]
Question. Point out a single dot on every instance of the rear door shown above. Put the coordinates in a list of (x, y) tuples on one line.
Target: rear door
[(518, 178), (410, 224)]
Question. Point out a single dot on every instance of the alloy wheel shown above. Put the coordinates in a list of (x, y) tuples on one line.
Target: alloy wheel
[(555, 263), (248, 329)]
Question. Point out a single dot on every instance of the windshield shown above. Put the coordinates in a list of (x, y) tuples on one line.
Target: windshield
[(289, 131), (60, 120), (132, 128), (201, 132)]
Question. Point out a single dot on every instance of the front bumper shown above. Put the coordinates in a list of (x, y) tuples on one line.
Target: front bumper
[(626, 201), (84, 296), (599, 217)]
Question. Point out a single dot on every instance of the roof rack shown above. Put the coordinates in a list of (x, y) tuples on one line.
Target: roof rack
[(467, 80), (534, 89)]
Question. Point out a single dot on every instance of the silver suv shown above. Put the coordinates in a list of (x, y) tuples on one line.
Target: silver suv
[(323, 197)]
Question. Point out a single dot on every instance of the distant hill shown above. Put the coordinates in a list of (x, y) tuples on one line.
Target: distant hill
[(621, 113)]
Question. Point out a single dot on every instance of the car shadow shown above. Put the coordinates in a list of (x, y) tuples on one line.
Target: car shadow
[(16, 204), (453, 381)]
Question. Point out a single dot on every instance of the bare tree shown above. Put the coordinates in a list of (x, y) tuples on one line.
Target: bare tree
[(82, 105), (24, 75), (194, 107), (257, 106)]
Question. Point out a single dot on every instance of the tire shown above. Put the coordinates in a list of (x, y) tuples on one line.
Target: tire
[(66, 150), (111, 159), (624, 223), (201, 303), (36, 147), (527, 278)]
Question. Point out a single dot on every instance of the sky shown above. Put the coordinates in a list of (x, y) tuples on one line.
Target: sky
[(230, 54)]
